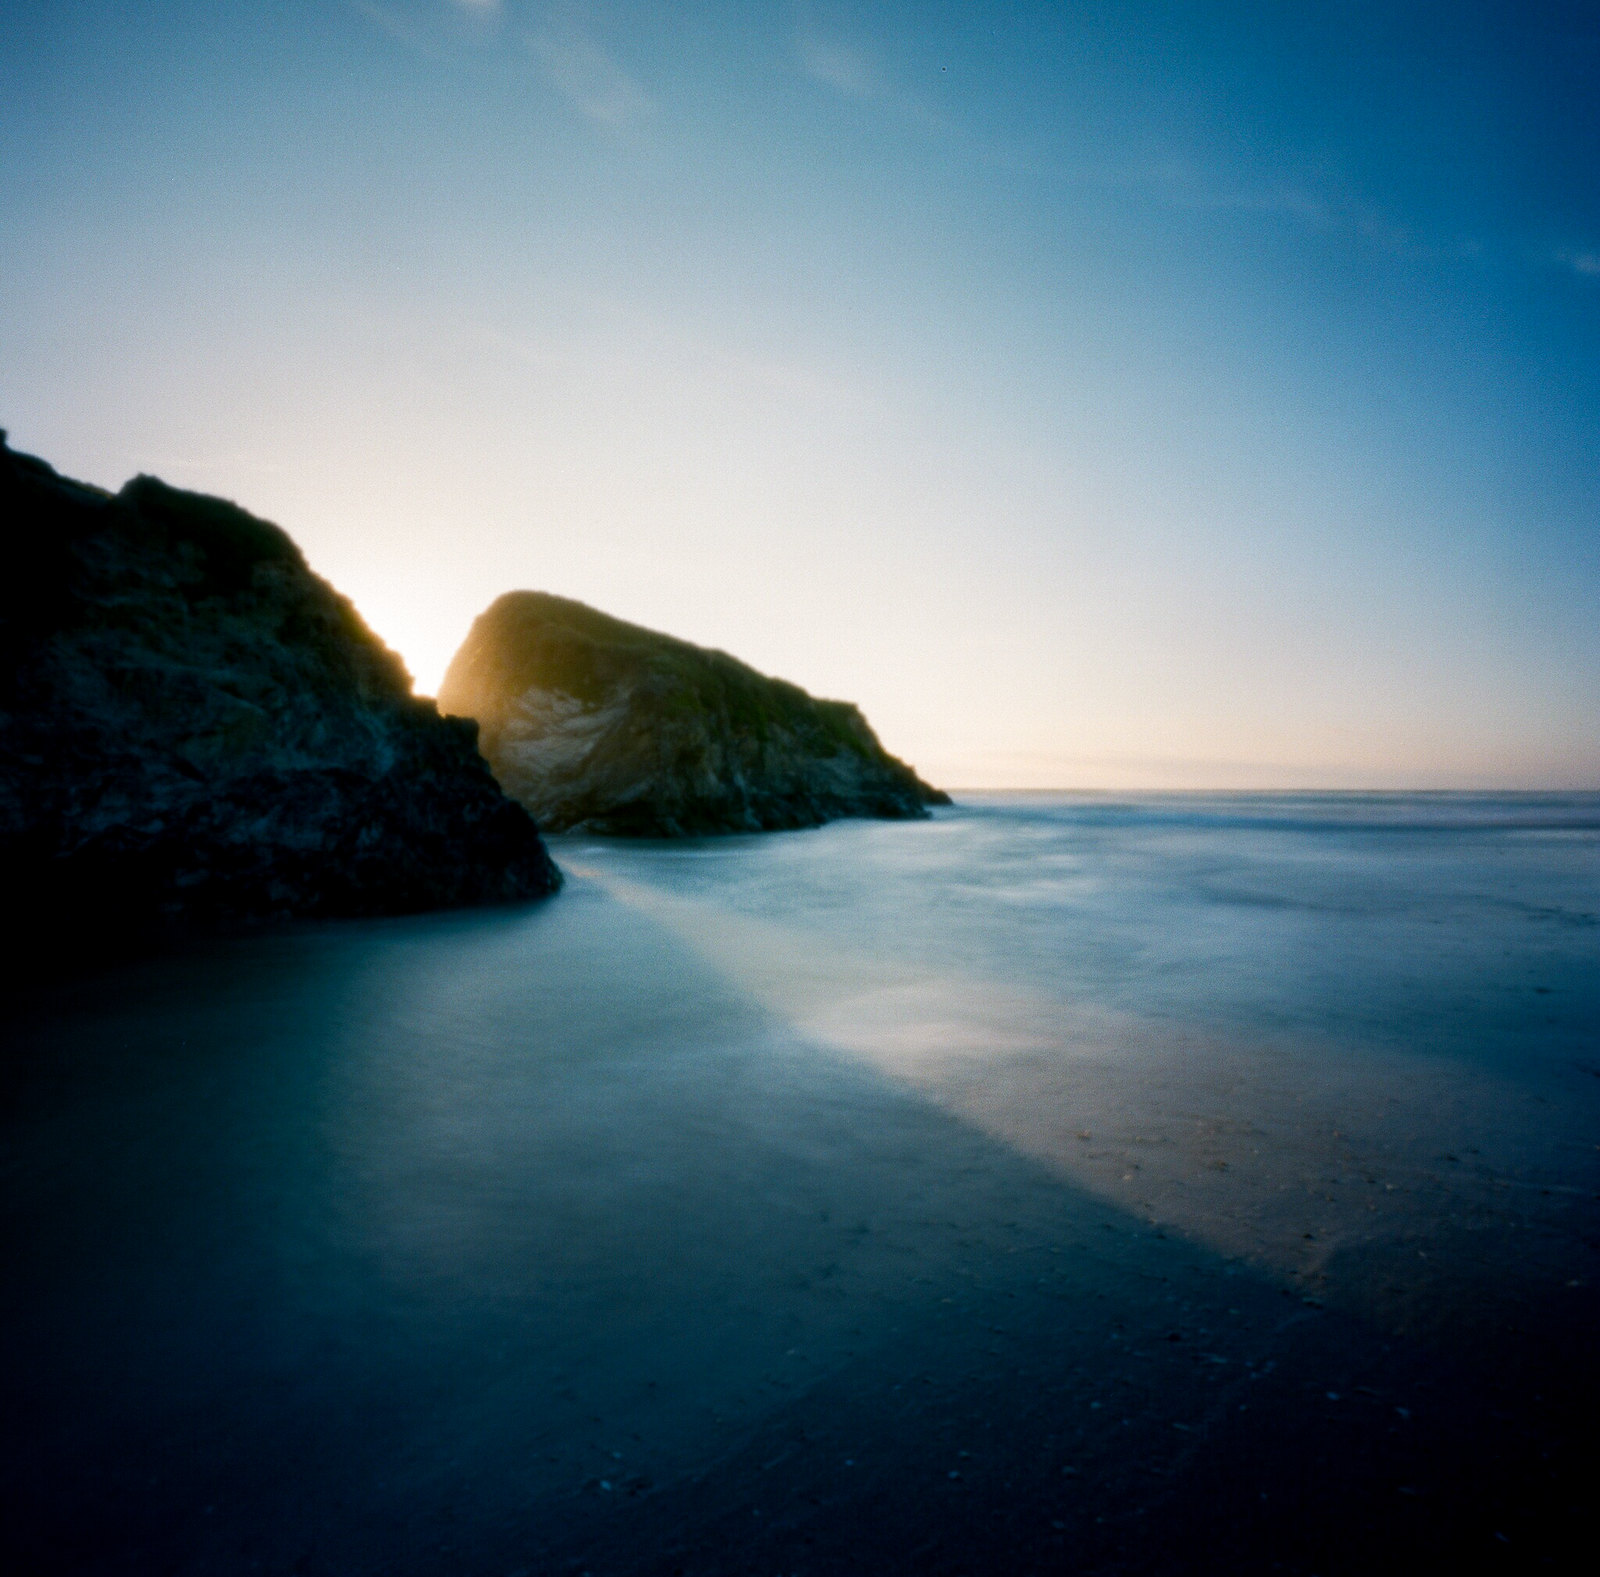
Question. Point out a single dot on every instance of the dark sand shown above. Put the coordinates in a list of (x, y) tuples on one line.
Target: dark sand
[(1021, 1199)]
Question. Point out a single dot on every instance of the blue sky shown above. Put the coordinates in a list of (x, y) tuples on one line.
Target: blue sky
[(1103, 395)]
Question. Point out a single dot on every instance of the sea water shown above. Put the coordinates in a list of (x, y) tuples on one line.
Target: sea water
[(375, 1243)]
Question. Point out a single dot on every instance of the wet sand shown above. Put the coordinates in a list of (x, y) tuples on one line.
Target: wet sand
[(975, 1197)]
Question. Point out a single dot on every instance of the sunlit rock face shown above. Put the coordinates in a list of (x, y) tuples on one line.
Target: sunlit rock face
[(195, 728), (603, 726)]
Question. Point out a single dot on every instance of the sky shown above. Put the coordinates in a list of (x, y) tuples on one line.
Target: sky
[(1158, 395)]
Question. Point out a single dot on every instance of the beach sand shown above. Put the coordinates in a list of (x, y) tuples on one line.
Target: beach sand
[(715, 1219)]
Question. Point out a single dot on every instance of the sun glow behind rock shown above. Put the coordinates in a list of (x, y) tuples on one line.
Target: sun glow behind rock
[(959, 371)]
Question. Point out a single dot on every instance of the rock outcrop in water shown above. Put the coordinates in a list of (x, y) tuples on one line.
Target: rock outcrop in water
[(195, 729), (600, 725)]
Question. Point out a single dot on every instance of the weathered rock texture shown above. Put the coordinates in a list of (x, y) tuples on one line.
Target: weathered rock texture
[(196, 729), (600, 725)]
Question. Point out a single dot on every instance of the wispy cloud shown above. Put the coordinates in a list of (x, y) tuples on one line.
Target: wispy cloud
[(565, 52), (849, 70), (403, 29), (1316, 201), (1321, 201), (432, 28), (837, 66), (586, 75)]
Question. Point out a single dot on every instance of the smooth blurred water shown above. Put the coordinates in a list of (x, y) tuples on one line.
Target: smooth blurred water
[(318, 1227), (1413, 921)]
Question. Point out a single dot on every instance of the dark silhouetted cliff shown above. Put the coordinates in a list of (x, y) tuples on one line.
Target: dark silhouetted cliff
[(597, 724), (195, 729)]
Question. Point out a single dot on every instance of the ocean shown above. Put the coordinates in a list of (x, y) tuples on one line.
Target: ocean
[(1090, 1182)]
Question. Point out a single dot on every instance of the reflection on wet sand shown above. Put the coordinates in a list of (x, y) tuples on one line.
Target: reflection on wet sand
[(1296, 1153)]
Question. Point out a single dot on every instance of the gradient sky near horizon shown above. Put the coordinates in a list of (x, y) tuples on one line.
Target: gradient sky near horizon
[(1107, 395)]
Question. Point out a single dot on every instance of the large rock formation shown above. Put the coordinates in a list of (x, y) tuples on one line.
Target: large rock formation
[(600, 725), (194, 728)]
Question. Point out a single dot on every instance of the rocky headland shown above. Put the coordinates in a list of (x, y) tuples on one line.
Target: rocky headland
[(197, 730), (602, 726)]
